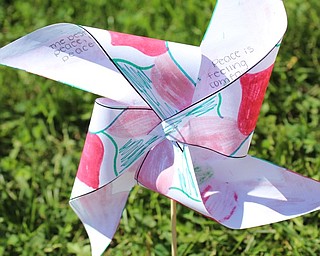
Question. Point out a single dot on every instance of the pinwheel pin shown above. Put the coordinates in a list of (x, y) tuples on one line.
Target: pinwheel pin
[(177, 119)]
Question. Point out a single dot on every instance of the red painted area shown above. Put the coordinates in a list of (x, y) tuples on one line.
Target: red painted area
[(235, 196), (170, 83), (92, 155), (254, 87), (148, 46)]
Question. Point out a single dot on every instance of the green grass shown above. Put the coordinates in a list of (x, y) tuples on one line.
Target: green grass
[(43, 126)]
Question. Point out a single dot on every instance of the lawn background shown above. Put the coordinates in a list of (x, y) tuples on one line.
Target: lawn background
[(43, 126)]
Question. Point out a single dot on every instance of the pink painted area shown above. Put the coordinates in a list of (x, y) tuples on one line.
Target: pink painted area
[(220, 199), (164, 180), (254, 87), (170, 83), (134, 122), (157, 171), (148, 46), (220, 135), (90, 162), (227, 217)]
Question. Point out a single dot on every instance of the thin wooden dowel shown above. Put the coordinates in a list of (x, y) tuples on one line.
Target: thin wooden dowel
[(174, 247)]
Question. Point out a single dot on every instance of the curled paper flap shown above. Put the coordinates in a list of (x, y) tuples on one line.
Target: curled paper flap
[(177, 119), (69, 54), (247, 29)]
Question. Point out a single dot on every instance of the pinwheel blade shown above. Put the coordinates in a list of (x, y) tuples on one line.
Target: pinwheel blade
[(67, 53), (248, 192), (100, 210)]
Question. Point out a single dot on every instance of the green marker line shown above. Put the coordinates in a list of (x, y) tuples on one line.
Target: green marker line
[(219, 105), (115, 155), (179, 189), (190, 174), (132, 64), (211, 20), (241, 144), (179, 66), (109, 125)]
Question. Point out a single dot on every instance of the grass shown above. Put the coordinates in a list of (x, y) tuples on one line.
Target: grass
[(43, 126)]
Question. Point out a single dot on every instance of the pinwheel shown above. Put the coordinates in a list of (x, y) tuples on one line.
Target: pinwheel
[(176, 119)]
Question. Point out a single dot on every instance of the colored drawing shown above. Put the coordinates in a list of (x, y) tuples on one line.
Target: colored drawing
[(176, 119)]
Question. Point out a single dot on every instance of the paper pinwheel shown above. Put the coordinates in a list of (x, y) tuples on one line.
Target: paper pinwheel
[(177, 119)]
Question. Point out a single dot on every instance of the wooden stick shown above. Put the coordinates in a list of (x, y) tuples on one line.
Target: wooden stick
[(174, 248)]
